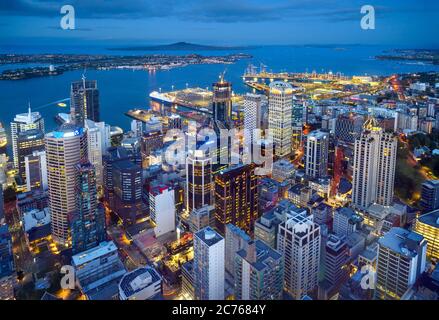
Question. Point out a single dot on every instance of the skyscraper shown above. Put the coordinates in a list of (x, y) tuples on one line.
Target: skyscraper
[(222, 102), (259, 273), (279, 117), (236, 198), (23, 122), (199, 183), (88, 222), (84, 101), (208, 266), (297, 124), (374, 166), (95, 140), (401, 260), (252, 118), (299, 242), (65, 148), (316, 156), (28, 142)]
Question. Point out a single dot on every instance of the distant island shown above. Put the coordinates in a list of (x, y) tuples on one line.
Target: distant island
[(424, 56), (181, 46)]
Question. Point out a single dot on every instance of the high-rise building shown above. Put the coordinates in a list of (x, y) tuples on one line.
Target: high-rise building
[(427, 225), (222, 102), (401, 260), (336, 258), (374, 166), (199, 183), (28, 142), (36, 170), (88, 222), (127, 183), (7, 267), (84, 101), (235, 240), (259, 273), (297, 124), (236, 198), (23, 122), (348, 128), (316, 154), (65, 148), (252, 118), (162, 209), (279, 117), (430, 195), (95, 141), (208, 266), (299, 242)]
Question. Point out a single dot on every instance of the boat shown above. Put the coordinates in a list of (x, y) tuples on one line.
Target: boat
[(3, 137)]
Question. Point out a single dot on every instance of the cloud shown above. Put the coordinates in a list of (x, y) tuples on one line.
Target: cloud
[(219, 11)]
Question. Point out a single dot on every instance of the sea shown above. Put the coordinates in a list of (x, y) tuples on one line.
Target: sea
[(122, 90)]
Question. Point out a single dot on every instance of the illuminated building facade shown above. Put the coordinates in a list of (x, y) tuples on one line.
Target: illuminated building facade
[(252, 118), (236, 198), (427, 225), (199, 183), (299, 242), (374, 166), (65, 148), (208, 266), (88, 222), (401, 260), (316, 154), (28, 142), (279, 117), (222, 102), (84, 101), (23, 122)]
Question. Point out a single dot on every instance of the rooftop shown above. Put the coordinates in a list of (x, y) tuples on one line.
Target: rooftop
[(402, 241), (102, 249), (264, 255), (431, 219), (139, 279), (209, 236)]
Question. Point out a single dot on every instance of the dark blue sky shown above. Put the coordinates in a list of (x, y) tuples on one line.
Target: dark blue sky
[(227, 22)]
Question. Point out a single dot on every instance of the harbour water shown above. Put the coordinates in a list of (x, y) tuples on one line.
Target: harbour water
[(121, 90)]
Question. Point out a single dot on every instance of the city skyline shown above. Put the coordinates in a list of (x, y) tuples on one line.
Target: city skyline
[(219, 171)]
